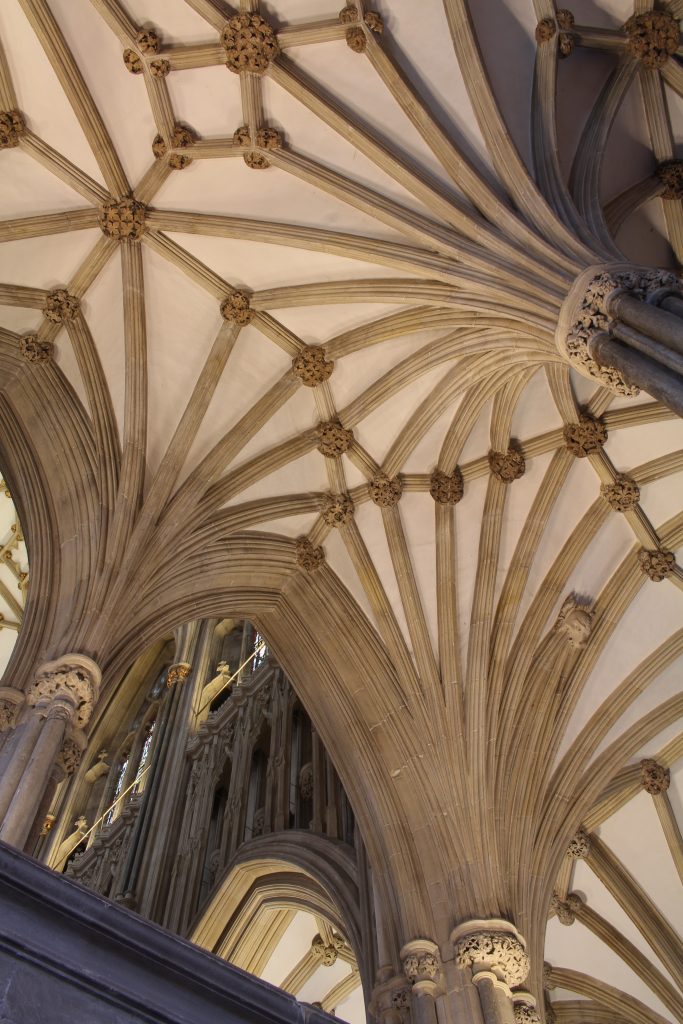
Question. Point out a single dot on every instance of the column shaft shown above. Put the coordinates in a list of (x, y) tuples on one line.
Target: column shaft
[(664, 327), (639, 371)]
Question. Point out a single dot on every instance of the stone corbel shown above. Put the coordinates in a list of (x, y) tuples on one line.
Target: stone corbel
[(11, 702)]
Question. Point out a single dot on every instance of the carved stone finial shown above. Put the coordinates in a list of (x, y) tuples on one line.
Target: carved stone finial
[(654, 777), (585, 314), (159, 68), (250, 43), (311, 366), (182, 138), (123, 219), (308, 556), (337, 510), (12, 125), (421, 961), (73, 680), (575, 622), (133, 61), (236, 308), (657, 564), (326, 953), (147, 41), (386, 491), (35, 349), (334, 439), (670, 173), (177, 674), (653, 37), (584, 437), (545, 30), (447, 490), (566, 910), (492, 946), (507, 466), (565, 40), (623, 494), (60, 306), (579, 845)]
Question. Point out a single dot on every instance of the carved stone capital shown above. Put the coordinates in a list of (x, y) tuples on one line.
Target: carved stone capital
[(622, 495), (386, 491), (524, 1008), (35, 349), (123, 219), (566, 910), (654, 777), (584, 437), (12, 125), (11, 701), (182, 138), (236, 308), (71, 753), (657, 564), (579, 845), (311, 366), (653, 37), (326, 953), (178, 673), (334, 439), (250, 43), (574, 622), (421, 961), (507, 466), (337, 510), (445, 489), (493, 946), (60, 306), (670, 173), (585, 313), (73, 680), (308, 556)]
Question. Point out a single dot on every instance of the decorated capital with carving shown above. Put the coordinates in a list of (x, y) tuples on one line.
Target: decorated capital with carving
[(311, 366), (178, 673), (250, 43), (337, 510), (386, 491), (654, 777), (334, 439), (123, 219), (73, 681), (622, 495), (584, 437), (574, 622), (11, 701), (308, 556), (585, 314), (653, 37), (492, 947), (236, 308), (12, 125), (507, 466), (421, 962), (657, 564), (524, 1008)]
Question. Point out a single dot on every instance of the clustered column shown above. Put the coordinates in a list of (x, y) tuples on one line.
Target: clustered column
[(58, 706)]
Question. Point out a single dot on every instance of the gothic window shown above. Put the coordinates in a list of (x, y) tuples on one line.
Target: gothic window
[(143, 763), (261, 650), (121, 773)]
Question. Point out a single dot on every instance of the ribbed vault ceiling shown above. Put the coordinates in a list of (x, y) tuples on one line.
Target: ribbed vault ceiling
[(425, 209)]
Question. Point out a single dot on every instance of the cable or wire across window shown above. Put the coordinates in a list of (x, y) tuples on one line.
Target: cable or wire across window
[(233, 676)]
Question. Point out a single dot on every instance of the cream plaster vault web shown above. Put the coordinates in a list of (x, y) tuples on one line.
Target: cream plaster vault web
[(280, 337)]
